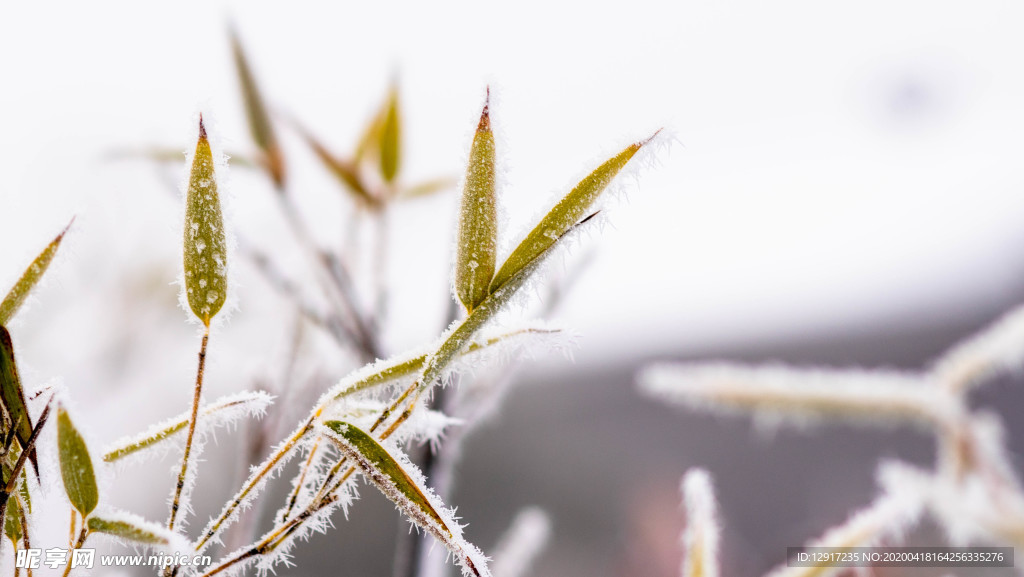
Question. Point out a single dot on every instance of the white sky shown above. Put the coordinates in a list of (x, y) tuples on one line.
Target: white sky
[(837, 163)]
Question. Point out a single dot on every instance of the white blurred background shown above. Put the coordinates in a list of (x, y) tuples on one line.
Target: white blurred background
[(845, 187)]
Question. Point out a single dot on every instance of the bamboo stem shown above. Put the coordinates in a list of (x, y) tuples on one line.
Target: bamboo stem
[(78, 545), (191, 430)]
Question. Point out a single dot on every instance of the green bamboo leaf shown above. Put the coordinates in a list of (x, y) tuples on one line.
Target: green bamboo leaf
[(76, 466), (24, 495), (13, 396), (382, 468), (17, 295), (206, 282), (221, 411), (478, 219), (145, 533), (390, 371), (369, 143), (259, 119), (391, 138), (12, 522), (566, 213), (385, 472), (457, 341)]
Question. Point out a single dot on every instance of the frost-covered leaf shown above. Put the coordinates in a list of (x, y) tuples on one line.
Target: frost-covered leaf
[(477, 243), (205, 254), (565, 214), (132, 528), (391, 138), (405, 487), (221, 412), (12, 524), (389, 371), (76, 466), (12, 520), (13, 396), (522, 543), (383, 373), (778, 393), (459, 338), (21, 289), (259, 119), (700, 539)]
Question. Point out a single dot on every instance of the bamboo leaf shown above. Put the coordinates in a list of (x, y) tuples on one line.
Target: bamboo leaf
[(405, 490), (205, 255), (566, 213), (21, 289), (463, 334), (385, 372), (130, 530), (221, 411), (478, 219), (13, 396), (260, 126), (12, 521), (76, 466), (345, 171), (426, 188), (391, 138), (369, 142)]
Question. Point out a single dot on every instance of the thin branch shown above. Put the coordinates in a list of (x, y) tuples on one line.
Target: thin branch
[(191, 430)]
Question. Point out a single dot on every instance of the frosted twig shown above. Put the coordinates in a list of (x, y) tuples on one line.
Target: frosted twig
[(700, 539), (776, 393), (998, 347), (196, 398), (884, 520)]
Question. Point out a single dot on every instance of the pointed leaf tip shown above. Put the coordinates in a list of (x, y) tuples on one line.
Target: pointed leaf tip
[(478, 219), (205, 244), (565, 214), (391, 138), (485, 115), (30, 278), (75, 465), (202, 127), (645, 141)]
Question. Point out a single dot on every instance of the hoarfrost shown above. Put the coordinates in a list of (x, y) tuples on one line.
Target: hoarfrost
[(776, 393), (701, 536)]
